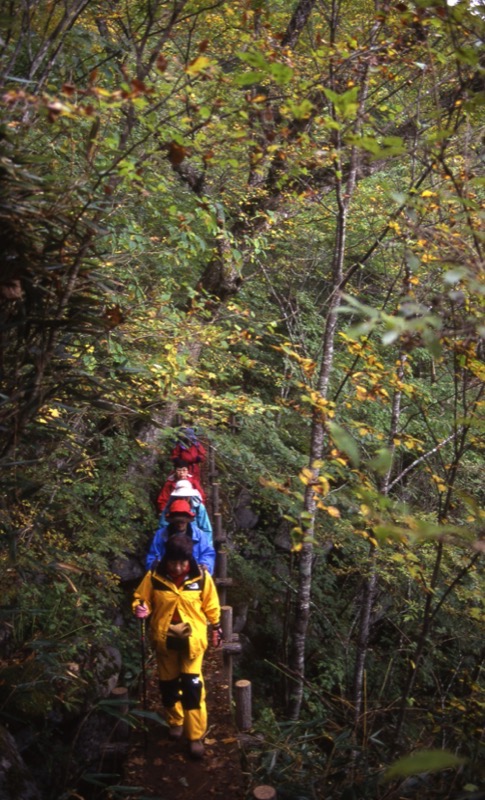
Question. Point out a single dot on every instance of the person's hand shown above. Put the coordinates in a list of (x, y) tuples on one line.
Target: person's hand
[(141, 611), (217, 636)]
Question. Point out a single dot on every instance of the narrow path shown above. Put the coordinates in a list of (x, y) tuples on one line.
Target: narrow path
[(163, 770), (159, 767)]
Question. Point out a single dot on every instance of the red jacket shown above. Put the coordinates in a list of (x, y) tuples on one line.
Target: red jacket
[(193, 456), (169, 486)]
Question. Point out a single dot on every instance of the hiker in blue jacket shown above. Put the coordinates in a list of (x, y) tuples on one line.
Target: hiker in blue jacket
[(185, 491), (181, 520)]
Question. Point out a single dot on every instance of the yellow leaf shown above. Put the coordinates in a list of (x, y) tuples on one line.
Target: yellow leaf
[(197, 65), (306, 475), (427, 193), (333, 511)]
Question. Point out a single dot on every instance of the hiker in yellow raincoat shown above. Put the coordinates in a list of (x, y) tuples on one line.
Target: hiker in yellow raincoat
[(181, 598)]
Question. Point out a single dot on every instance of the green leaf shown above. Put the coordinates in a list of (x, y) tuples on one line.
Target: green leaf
[(298, 110), (345, 103), (332, 124), (432, 342), (149, 715), (381, 461), (367, 143), (345, 442), (332, 96), (253, 59), (423, 761), (248, 78), (455, 275), (99, 778), (468, 55), (390, 336), (281, 73), (476, 101)]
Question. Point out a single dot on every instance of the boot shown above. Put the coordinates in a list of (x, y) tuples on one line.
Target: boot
[(175, 731), (196, 748)]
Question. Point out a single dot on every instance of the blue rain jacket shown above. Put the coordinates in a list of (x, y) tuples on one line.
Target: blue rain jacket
[(203, 553), (201, 517)]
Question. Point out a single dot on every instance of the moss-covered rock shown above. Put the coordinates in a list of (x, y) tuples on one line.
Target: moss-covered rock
[(15, 780), (25, 690)]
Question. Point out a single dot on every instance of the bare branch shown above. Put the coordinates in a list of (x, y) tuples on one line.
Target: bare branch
[(424, 457)]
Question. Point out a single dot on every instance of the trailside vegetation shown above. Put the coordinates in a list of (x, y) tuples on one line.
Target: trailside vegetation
[(266, 217)]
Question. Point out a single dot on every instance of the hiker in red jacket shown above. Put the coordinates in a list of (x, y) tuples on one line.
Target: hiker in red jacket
[(190, 450), (180, 473)]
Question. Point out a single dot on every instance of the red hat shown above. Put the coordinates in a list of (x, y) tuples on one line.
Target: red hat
[(179, 507)]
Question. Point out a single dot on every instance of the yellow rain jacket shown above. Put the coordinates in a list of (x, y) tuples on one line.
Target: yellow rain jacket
[(196, 601)]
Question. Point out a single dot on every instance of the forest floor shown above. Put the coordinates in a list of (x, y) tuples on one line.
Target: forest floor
[(158, 767)]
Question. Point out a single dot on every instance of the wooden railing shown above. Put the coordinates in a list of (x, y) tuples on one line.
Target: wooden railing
[(231, 645)]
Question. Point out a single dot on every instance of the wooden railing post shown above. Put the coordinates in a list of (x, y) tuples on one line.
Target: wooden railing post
[(212, 464), (120, 693), (244, 712), (231, 645), (264, 792), (219, 535), (215, 498), (226, 622)]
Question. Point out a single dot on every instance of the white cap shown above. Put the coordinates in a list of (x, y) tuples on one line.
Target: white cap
[(185, 489)]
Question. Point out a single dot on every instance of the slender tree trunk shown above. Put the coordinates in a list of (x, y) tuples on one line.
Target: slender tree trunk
[(367, 605), (344, 192), (458, 438), (302, 609), (415, 662), (370, 583)]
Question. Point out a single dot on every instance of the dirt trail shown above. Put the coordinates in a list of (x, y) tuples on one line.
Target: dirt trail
[(165, 771)]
